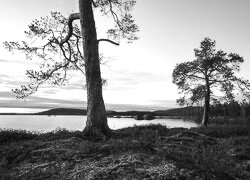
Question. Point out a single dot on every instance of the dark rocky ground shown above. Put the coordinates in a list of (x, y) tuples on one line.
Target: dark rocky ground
[(147, 152)]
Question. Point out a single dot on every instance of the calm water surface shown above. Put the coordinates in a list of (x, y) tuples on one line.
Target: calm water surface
[(48, 123)]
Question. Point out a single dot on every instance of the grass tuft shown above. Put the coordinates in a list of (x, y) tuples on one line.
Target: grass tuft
[(12, 135), (222, 131)]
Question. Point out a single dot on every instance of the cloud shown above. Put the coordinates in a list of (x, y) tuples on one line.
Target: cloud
[(9, 82), (165, 103), (126, 79), (12, 61), (8, 100), (74, 86), (4, 77), (50, 91), (5, 94), (12, 82), (4, 61), (7, 79)]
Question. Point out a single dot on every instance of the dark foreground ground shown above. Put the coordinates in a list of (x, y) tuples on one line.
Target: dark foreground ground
[(146, 152)]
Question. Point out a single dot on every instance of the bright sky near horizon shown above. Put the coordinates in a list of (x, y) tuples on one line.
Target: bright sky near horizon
[(138, 73)]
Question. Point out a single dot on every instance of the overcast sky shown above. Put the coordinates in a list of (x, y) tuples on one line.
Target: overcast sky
[(138, 73)]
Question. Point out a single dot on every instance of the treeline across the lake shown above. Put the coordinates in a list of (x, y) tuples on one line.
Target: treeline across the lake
[(219, 112), (232, 109)]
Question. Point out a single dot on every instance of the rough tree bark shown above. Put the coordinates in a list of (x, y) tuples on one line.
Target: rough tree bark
[(205, 117), (96, 124)]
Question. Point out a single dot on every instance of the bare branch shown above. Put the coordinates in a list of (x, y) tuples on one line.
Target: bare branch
[(115, 16), (94, 4), (64, 54), (77, 45), (194, 76), (107, 40), (71, 18), (70, 51), (38, 78), (75, 64)]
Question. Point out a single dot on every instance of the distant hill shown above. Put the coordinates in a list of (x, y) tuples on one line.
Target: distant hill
[(63, 111), (46, 103), (186, 111), (72, 111)]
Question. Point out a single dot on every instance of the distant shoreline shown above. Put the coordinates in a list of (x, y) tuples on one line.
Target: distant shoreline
[(159, 114)]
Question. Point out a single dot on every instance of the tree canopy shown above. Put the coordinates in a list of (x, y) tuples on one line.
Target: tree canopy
[(62, 46), (56, 42), (211, 70)]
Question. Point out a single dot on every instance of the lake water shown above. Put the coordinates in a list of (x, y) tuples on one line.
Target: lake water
[(48, 123)]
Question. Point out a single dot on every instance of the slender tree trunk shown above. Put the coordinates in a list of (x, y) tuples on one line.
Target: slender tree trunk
[(96, 124), (243, 114), (248, 128), (205, 117), (247, 121)]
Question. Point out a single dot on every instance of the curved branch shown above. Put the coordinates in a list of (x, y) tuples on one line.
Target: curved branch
[(78, 68), (77, 45), (64, 54), (115, 16), (70, 52), (107, 40), (94, 4), (71, 18), (194, 76), (32, 87)]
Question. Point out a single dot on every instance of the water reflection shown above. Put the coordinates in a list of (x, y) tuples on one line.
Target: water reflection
[(48, 123)]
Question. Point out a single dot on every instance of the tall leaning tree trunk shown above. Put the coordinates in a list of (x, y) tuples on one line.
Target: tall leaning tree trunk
[(96, 124), (206, 110)]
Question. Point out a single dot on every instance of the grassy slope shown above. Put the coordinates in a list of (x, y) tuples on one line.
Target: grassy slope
[(149, 152)]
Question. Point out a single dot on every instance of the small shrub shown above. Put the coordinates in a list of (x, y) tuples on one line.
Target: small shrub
[(213, 159), (59, 133), (10, 135), (222, 131)]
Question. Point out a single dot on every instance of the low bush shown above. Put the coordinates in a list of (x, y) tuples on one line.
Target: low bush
[(10, 135), (222, 131), (59, 133)]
